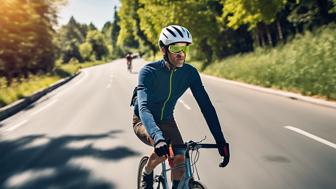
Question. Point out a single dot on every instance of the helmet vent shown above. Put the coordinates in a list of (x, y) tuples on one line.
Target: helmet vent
[(171, 32), (178, 31), (174, 34)]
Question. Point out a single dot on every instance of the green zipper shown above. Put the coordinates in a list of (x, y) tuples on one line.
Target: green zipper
[(170, 89)]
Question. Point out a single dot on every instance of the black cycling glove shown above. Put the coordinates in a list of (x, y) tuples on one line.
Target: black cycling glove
[(224, 151), (161, 148)]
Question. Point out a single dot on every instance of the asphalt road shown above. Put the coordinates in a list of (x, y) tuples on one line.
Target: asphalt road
[(80, 136)]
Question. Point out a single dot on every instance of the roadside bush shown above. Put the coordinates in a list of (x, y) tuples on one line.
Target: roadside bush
[(306, 65)]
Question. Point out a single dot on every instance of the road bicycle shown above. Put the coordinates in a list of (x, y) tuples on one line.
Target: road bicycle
[(191, 156), (129, 66)]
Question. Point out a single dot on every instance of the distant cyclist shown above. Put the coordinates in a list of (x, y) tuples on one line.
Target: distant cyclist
[(129, 59), (160, 85)]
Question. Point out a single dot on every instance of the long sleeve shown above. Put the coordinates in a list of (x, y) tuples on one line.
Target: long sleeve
[(206, 107), (143, 93)]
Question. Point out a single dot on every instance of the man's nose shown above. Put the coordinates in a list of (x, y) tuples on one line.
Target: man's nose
[(180, 54)]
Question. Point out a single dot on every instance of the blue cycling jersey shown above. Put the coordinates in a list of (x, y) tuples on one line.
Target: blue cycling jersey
[(158, 91)]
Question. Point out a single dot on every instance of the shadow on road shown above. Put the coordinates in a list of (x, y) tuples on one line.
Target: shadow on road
[(26, 163)]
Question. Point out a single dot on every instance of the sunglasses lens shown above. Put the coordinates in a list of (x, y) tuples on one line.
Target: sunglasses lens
[(177, 49)]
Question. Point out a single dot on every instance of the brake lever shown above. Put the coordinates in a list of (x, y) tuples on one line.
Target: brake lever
[(222, 164)]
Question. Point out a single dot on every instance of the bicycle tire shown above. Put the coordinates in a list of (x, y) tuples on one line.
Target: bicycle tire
[(196, 185), (142, 164)]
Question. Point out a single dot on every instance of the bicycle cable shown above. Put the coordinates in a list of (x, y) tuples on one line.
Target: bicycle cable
[(194, 167)]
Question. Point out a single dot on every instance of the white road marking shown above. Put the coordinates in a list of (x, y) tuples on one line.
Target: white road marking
[(302, 132), (16, 126), (80, 80), (185, 105), (44, 107)]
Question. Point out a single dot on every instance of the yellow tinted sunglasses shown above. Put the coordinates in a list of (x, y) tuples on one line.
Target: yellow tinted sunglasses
[(177, 49)]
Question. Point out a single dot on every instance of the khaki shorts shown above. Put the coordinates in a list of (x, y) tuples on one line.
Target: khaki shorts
[(168, 128)]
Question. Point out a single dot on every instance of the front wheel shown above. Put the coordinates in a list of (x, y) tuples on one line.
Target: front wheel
[(142, 164), (196, 185)]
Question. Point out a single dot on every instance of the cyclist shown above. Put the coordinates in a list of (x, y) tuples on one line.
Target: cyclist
[(160, 85), (129, 59)]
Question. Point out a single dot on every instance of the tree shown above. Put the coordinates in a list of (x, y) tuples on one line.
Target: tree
[(68, 38), (106, 31), (96, 40), (115, 30), (92, 27), (26, 44), (198, 16), (257, 14), (311, 13)]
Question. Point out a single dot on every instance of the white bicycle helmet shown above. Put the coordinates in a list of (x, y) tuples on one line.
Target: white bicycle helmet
[(173, 34)]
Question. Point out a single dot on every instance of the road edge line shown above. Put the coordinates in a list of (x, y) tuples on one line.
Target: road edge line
[(15, 107)]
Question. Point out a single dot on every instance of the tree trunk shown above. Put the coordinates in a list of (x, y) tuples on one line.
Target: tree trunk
[(9, 79), (206, 49), (256, 35), (25, 73), (323, 10), (268, 34), (279, 31), (261, 35)]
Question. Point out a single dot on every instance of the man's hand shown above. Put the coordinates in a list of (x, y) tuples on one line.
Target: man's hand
[(161, 148), (224, 151)]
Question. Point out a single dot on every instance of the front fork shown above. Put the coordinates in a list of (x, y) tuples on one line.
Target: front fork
[(164, 174), (184, 184)]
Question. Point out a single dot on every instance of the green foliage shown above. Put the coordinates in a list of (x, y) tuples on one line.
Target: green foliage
[(86, 51), (115, 30), (83, 42), (97, 42), (219, 27), (333, 7), (26, 33), (250, 12), (312, 13), (68, 39), (144, 19), (106, 31), (306, 65), (127, 23), (27, 87)]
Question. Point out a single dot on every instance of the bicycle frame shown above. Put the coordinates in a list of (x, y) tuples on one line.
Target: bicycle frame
[(184, 183), (187, 180)]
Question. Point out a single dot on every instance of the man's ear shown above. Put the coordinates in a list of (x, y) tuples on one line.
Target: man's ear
[(163, 50)]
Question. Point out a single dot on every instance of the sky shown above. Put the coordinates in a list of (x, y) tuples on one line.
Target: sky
[(85, 11)]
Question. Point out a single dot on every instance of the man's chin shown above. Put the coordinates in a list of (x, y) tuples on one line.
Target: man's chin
[(179, 63)]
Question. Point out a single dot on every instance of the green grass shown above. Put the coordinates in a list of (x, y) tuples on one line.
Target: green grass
[(27, 87), (306, 65)]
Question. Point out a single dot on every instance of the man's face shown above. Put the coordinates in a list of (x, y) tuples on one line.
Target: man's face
[(178, 58)]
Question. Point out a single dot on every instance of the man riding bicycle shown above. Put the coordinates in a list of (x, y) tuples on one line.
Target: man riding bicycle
[(160, 85), (129, 59)]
